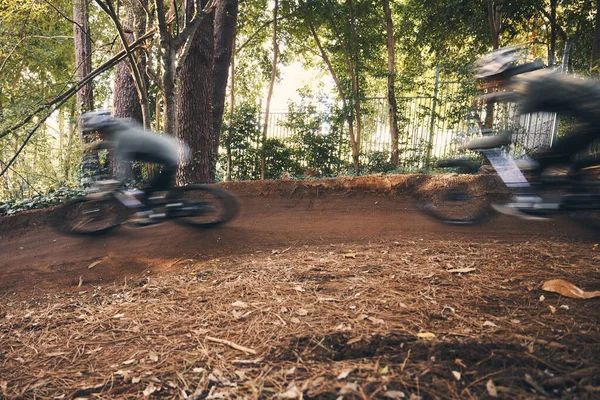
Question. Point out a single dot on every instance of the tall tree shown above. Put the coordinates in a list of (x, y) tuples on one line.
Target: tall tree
[(224, 30), (193, 101), (83, 56), (391, 86), (126, 103), (271, 86), (595, 63), (90, 165)]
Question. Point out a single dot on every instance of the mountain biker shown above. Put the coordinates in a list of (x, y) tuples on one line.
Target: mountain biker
[(128, 142), (545, 90)]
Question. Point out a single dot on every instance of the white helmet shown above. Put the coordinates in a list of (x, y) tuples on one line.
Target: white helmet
[(497, 61), (96, 120)]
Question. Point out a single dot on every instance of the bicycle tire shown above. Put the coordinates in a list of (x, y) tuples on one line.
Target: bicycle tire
[(213, 206), (457, 205), (586, 178), (84, 216)]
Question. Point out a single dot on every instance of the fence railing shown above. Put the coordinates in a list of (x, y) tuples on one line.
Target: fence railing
[(436, 126)]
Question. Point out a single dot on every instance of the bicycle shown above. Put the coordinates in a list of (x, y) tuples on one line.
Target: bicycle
[(570, 184), (110, 204)]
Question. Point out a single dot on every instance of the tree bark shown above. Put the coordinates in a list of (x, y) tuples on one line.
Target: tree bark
[(194, 108), (595, 63), (271, 86), (495, 23), (126, 103), (553, 28), (90, 165), (391, 91), (224, 30), (83, 58)]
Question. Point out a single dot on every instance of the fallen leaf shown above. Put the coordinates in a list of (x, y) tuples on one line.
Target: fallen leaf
[(462, 270), (542, 298), (378, 321), (153, 356), (292, 392), (349, 388), (149, 389), (489, 324), (394, 394), (426, 335), (345, 374), (568, 289), (491, 388), (136, 379), (239, 304), (552, 309), (384, 371), (118, 316), (456, 375)]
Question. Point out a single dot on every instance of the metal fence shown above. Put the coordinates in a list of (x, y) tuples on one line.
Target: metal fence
[(437, 125)]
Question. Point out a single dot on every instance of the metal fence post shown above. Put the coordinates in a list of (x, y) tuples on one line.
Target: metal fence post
[(563, 69), (432, 122)]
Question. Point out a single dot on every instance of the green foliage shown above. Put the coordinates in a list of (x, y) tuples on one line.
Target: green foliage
[(377, 161), (320, 149), (54, 197), (241, 141)]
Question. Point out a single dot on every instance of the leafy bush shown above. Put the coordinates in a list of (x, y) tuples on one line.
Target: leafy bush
[(241, 140), (316, 147), (54, 197), (378, 161)]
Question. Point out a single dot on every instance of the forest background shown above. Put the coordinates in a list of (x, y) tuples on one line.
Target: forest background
[(206, 71)]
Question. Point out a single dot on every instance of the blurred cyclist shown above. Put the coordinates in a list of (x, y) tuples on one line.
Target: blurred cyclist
[(129, 141)]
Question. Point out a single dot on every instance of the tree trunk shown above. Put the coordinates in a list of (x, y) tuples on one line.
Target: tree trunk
[(224, 29), (391, 92), (83, 57), (231, 111), (595, 64), (553, 28), (271, 86), (495, 23), (194, 110), (126, 103), (90, 165)]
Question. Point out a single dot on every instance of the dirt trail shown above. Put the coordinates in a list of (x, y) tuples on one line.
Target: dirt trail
[(36, 258)]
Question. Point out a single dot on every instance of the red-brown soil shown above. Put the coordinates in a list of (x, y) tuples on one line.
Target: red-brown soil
[(332, 276)]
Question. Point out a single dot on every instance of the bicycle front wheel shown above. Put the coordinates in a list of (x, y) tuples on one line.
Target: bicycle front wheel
[(83, 216)]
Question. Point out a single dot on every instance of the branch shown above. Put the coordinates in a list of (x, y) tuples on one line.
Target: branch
[(192, 26), (69, 93), (67, 18), (554, 24), (135, 71), (22, 177)]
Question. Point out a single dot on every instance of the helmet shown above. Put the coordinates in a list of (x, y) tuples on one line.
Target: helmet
[(497, 61), (96, 120)]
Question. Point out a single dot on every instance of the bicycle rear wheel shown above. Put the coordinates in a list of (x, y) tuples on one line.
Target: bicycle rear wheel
[(457, 205), (587, 181), (84, 216), (203, 206)]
